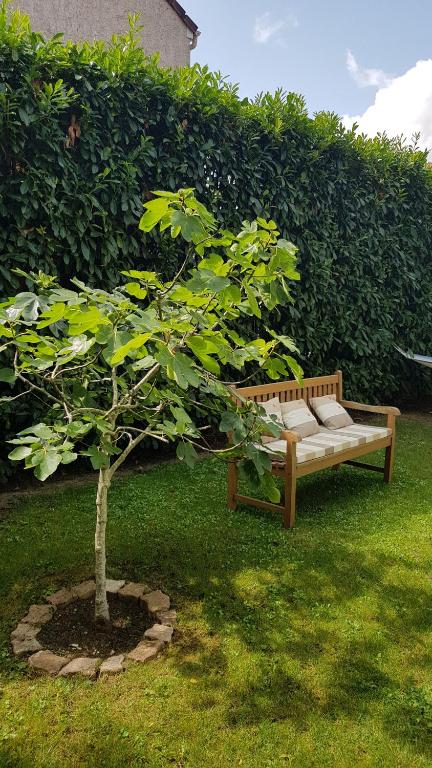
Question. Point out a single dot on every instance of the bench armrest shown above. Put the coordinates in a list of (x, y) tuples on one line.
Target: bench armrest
[(385, 409), (286, 434), (290, 436)]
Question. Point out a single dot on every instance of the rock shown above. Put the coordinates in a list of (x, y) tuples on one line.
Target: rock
[(159, 632), (112, 666), (25, 632), (133, 591), (156, 601), (47, 663), (113, 586), (84, 666), (85, 590), (62, 597), (168, 618), (38, 615), (24, 647), (145, 651)]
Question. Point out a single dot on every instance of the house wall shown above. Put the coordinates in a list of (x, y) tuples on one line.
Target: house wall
[(163, 31)]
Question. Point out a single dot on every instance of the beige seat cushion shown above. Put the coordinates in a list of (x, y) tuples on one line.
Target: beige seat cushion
[(364, 433), (273, 409), (297, 417), (330, 412), (328, 442)]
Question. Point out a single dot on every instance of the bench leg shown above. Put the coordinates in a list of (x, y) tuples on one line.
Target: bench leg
[(290, 501), (335, 467), (389, 461), (232, 484), (289, 511), (389, 454)]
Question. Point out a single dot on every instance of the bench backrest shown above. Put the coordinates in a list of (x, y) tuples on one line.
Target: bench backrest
[(290, 390)]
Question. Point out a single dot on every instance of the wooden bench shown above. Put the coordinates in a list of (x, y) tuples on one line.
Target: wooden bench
[(289, 468)]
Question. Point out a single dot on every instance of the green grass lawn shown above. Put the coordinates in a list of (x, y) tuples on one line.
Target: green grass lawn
[(304, 648)]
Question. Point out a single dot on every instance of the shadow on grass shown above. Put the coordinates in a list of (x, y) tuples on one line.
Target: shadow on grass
[(9, 759), (112, 752), (326, 578), (408, 717), (298, 605)]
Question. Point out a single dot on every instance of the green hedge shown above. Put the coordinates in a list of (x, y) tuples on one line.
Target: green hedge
[(359, 210)]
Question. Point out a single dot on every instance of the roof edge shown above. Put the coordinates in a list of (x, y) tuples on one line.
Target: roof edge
[(180, 11)]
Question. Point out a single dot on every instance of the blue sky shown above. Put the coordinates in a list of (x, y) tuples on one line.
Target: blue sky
[(342, 55)]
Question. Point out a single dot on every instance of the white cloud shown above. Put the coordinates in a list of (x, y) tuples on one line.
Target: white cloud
[(266, 28), (366, 77), (403, 106)]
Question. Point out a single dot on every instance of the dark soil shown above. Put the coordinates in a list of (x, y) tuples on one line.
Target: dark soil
[(72, 630)]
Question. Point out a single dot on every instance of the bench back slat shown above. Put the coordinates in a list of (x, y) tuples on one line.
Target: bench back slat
[(287, 391)]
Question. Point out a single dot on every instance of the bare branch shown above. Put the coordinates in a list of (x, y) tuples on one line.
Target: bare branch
[(112, 416), (177, 277), (68, 413), (35, 387), (135, 442), (14, 397), (57, 371), (129, 448), (145, 379)]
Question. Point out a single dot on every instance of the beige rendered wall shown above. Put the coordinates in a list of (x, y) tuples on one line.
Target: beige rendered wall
[(164, 31)]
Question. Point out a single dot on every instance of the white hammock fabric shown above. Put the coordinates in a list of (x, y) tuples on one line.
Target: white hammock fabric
[(421, 359)]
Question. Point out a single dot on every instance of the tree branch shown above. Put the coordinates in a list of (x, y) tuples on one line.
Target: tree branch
[(114, 393), (148, 377), (35, 387), (58, 371), (135, 442), (177, 277), (129, 448)]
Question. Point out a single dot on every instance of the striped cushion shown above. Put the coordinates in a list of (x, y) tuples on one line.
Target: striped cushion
[(273, 409), (305, 450), (297, 417), (363, 433), (328, 442), (276, 447), (332, 442), (330, 412)]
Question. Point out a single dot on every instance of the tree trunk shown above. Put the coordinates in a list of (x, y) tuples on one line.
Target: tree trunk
[(102, 615)]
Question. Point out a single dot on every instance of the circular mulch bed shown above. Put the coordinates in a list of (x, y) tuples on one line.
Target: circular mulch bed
[(72, 629), (60, 637)]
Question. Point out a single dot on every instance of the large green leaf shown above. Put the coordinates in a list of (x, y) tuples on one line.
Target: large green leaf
[(85, 320), (155, 211), (48, 464), (7, 375), (135, 290), (42, 431), (270, 489), (99, 459), (20, 453), (52, 316), (205, 280), (187, 453), (190, 226), (133, 345), (68, 457), (252, 302), (179, 368), (203, 348), (78, 429)]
